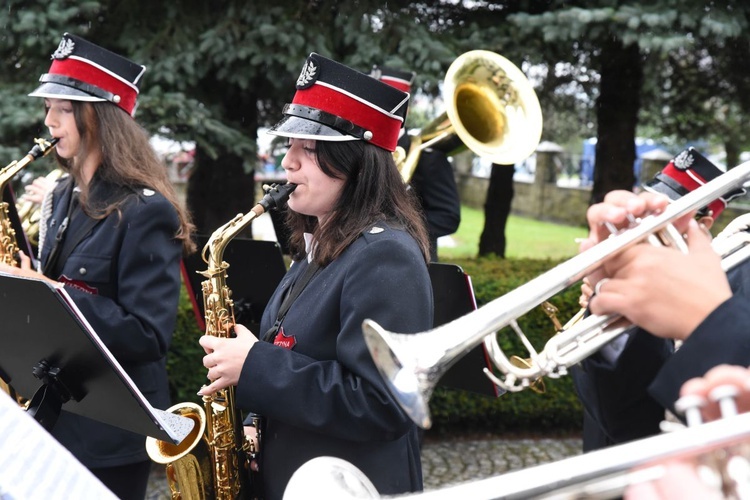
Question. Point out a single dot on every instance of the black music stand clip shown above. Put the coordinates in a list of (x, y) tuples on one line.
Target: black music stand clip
[(50, 350), (47, 402)]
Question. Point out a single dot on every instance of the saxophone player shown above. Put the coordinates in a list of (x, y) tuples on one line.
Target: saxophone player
[(360, 250), (114, 234)]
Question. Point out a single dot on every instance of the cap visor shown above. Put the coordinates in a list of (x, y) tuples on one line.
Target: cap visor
[(56, 91), (300, 128)]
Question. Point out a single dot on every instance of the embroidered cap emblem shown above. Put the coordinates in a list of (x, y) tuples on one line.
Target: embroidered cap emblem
[(308, 75), (684, 160), (64, 49)]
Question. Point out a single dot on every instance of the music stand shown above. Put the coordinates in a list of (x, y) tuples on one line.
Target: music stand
[(454, 297), (51, 352), (255, 269)]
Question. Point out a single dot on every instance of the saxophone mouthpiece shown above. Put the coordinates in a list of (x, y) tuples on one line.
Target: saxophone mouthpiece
[(276, 195)]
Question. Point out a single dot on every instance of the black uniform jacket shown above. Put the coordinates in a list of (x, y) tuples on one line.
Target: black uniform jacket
[(434, 183), (626, 399), (124, 276), (317, 387)]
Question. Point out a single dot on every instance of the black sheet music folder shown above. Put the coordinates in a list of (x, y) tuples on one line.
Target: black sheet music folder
[(454, 297), (48, 346)]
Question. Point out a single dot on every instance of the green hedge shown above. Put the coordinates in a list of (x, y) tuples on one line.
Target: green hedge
[(453, 411), (185, 360)]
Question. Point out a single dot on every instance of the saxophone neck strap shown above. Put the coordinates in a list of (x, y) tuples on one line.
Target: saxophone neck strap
[(291, 296)]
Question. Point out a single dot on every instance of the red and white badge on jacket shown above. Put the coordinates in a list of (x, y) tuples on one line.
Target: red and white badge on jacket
[(282, 340)]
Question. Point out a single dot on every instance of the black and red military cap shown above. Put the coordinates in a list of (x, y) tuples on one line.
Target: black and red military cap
[(83, 71), (686, 172), (336, 103), (402, 80)]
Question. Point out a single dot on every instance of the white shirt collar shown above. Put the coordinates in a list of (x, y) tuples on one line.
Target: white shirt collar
[(310, 245)]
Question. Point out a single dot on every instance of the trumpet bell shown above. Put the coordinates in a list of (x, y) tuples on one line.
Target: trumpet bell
[(410, 385)]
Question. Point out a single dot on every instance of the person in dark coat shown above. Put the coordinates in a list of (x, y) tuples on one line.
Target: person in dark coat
[(628, 385), (113, 234), (433, 179), (360, 251)]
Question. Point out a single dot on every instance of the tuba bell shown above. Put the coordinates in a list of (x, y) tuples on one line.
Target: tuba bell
[(491, 109)]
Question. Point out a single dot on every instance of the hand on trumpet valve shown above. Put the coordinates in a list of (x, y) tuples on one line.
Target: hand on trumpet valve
[(722, 392), (645, 280)]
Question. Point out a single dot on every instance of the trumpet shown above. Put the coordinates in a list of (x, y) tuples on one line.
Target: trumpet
[(719, 449), (411, 364)]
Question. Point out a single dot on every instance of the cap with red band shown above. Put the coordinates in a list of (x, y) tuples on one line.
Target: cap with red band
[(686, 172), (336, 103), (397, 78), (83, 71)]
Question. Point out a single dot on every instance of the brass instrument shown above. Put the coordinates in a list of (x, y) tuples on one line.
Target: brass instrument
[(213, 462), (30, 213), (719, 449), (8, 241), (411, 364), (491, 108)]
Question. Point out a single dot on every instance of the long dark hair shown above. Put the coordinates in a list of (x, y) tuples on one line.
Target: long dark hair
[(127, 159), (373, 191)]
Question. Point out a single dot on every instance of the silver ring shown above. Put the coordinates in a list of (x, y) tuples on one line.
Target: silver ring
[(598, 286)]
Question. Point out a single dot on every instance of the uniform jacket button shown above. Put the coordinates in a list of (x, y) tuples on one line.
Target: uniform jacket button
[(82, 271)]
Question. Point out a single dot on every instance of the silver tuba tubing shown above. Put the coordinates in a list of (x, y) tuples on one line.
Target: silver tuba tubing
[(411, 364)]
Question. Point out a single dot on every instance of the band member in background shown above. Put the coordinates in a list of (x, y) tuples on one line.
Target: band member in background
[(113, 236), (627, 386), (433, 179), (360, 251)]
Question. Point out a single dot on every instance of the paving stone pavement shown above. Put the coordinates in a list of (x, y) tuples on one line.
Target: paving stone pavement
[(451, 461)]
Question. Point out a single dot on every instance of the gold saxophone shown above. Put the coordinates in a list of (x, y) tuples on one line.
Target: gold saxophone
[(213, 461), (8, 241)]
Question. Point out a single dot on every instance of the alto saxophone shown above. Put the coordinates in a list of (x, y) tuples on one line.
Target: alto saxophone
[(214, 460), (8, 241)]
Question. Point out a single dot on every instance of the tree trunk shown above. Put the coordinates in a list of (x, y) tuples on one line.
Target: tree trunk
[(732, 150), (221, 188), (497, 210), (218, 190), (617, 116)]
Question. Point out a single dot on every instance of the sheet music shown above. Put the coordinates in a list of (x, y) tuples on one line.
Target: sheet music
[(33, 465)]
